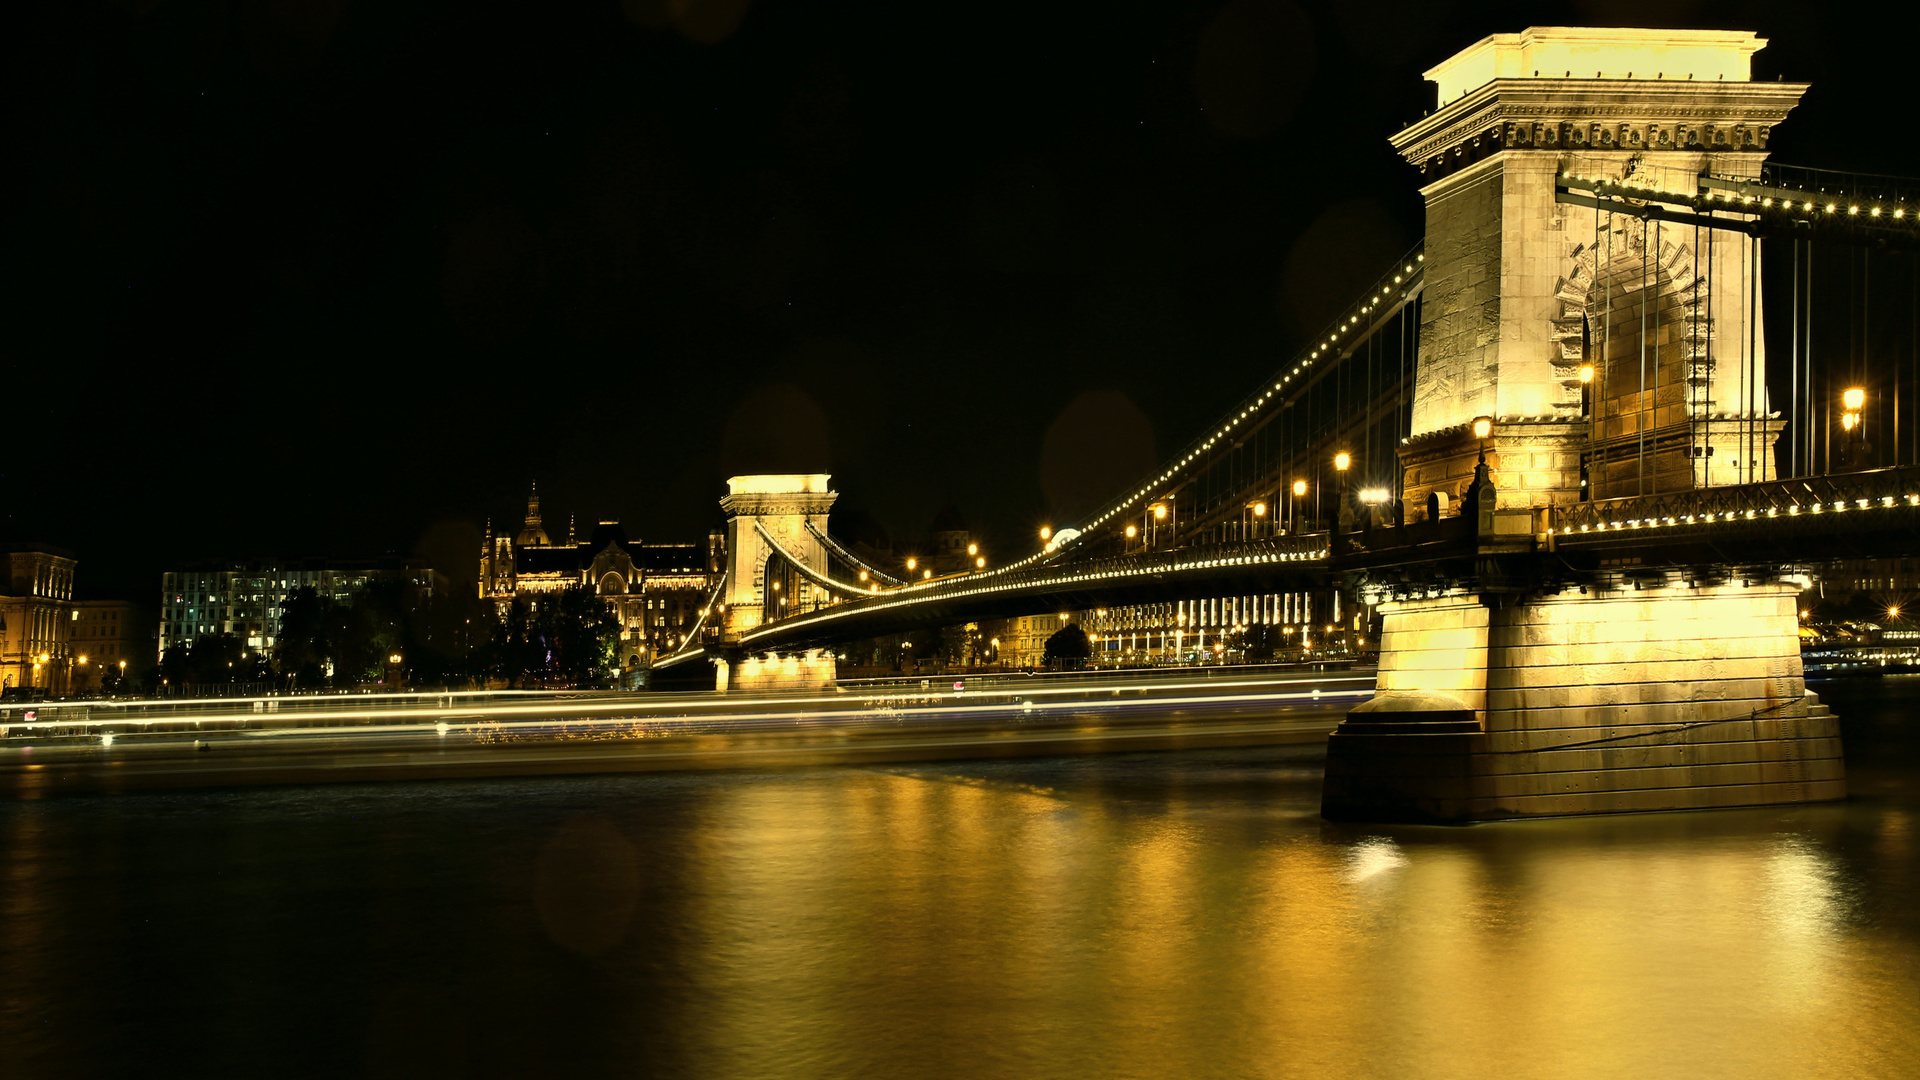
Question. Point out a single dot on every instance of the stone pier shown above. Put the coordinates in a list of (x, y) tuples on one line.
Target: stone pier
[(1668, 696)]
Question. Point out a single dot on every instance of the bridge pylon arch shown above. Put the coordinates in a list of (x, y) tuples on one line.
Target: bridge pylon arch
[(782, 505)]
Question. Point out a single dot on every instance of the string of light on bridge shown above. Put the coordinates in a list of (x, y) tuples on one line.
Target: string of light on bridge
[(1402, 278), (1838, 506), (989, 584), (1829, 207)]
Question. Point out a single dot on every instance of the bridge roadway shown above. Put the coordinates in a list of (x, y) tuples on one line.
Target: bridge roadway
[(1796, 522), (133, 746)]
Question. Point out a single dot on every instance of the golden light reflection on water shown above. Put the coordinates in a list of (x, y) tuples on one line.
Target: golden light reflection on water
[(881, 921)]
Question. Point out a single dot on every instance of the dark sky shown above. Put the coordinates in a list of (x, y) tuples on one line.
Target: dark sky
[(334, 278)]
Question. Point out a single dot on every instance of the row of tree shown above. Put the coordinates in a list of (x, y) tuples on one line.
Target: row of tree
[(389, 629)]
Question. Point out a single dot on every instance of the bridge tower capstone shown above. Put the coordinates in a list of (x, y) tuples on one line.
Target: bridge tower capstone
[(1524, 290), (1503, 689), (768, 515)]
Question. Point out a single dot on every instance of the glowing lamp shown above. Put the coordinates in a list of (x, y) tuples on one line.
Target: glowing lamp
[(1046, 532), (1341, 460), (1160, 511), (1586, 373), (1848, 420), (1482, 426), (1299, 487), (1853, 397), (973, 549), (1259, 509), (912, 563), (1133, 531)]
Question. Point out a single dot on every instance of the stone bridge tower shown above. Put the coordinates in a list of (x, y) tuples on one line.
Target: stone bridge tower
[(1651, 687), (1523, 290), (761, 585)]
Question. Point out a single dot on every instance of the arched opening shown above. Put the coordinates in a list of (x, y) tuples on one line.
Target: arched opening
[(781, 589), (1643, 399)]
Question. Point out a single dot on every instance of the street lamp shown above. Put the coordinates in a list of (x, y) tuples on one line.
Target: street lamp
[(1586, 388), (1852, 398), (1293, 510), (1482, 428), (1341, 462)]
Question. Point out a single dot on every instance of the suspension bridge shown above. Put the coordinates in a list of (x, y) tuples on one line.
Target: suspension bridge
[(1574, 453)]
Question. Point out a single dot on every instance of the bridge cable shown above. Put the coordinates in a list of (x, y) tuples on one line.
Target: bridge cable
[(834, 548), (806, 571), (694, 634)]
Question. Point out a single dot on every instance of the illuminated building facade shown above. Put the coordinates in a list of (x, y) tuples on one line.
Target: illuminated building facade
[(655, 591), (36, 620), (111, 637), (247, 599), (1182, 630), (1023, 639)]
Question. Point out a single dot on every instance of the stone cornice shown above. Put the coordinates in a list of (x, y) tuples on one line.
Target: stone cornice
[(1561, 115), (778, 504)]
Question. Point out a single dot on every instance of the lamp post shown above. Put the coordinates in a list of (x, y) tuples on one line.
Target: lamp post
[(1341, 462), (1852, 398)]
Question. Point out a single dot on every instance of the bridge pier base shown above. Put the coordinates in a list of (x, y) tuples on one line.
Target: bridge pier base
[(1675, 696), (814, 669)]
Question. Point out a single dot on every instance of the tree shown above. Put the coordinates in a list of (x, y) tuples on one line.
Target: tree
[(300, 652), (212, 659), (586, 636), (568, 635), (1068, 647), (1256, 642)]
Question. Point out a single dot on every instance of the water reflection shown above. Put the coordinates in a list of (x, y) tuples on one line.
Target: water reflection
[(1153, 915)]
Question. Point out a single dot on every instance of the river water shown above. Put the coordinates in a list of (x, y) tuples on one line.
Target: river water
[(1181, 914)]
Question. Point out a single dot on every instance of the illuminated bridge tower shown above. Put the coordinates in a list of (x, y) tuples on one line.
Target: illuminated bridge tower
[(773, 521), (1614, 355), (1526, 289)]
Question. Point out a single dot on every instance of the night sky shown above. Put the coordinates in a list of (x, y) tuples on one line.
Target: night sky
[(324, 278)]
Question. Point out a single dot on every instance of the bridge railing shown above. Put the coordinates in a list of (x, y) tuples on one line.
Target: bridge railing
[(1834, 492)]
